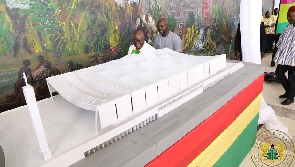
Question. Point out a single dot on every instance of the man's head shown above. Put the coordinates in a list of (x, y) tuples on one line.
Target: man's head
[(267, 14), (40, 58), (138, 39), (163, 27), (276, 11), (70, 64), (291, 15), (26, 63), (47, 65)]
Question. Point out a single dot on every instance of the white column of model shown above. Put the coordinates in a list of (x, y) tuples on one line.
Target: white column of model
[(36, 119)]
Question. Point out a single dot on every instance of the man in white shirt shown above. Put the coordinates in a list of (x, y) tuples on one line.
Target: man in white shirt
[(139, 43)]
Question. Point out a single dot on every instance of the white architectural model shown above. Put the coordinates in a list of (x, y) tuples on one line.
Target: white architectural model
[(119, 89), (134, 90), (117, 97)]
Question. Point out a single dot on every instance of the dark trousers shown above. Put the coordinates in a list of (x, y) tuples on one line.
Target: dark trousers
[(263, 44), (241, 54), (270, 40), (277, 37), (288, 84)]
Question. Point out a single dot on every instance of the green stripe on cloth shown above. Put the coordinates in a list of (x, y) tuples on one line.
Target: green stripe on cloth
[(240, 148)]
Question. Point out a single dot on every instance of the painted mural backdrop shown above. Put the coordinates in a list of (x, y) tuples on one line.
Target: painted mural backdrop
[(282, 20), (47, 37)]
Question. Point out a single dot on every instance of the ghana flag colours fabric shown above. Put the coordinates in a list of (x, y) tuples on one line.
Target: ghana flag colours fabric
[(282, 19), (227, 133)]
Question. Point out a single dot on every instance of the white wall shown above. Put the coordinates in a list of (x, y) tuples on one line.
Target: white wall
[(267, 6), (277, 4)]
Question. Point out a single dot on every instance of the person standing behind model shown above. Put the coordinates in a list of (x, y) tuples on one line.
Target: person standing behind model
[(277, 36), (269, 25), (166, 38), (139, 43), (285, 58), (275, 15)]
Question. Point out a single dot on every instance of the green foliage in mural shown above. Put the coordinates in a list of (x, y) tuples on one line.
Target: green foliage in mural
[(86, 32), (41, 24), (171, 22), (156, 11), (6, 36), (126, 30), (191, 19), (191, 37), (225, 19), (61, 27)]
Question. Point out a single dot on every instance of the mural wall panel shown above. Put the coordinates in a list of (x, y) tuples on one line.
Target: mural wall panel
[(43, 38)]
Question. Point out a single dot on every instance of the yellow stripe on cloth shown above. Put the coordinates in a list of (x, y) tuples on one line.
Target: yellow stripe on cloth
[(222, 143)]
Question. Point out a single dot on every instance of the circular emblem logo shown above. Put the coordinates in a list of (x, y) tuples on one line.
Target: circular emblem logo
[(272, 148)]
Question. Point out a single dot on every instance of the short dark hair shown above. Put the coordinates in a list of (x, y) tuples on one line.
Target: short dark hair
[(41, 57), (26, 62), (70, 63)]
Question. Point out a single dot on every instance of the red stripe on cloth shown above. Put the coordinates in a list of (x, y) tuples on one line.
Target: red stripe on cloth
[(193, 143)]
